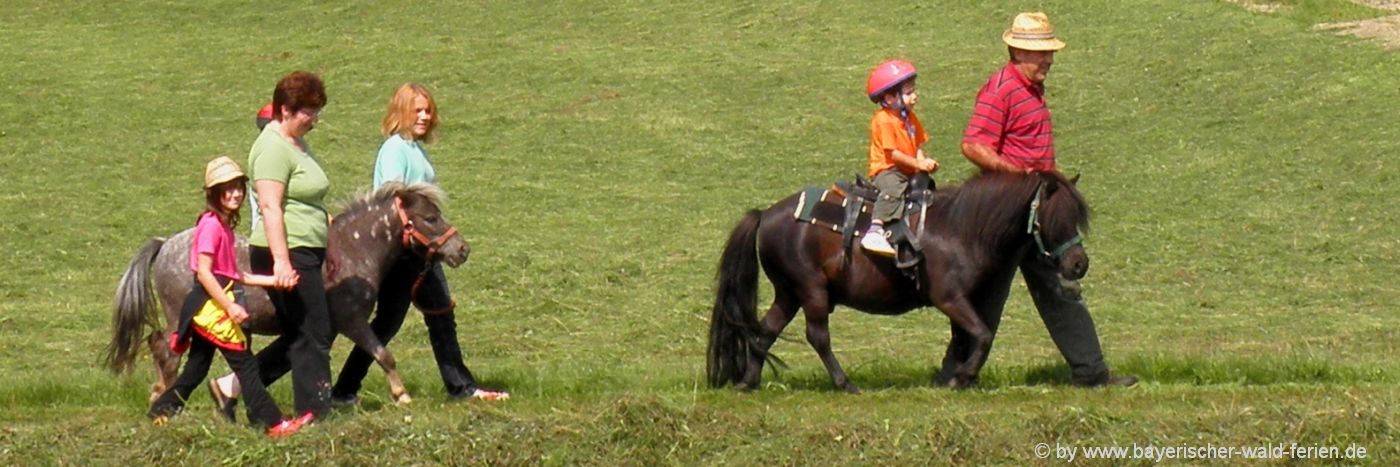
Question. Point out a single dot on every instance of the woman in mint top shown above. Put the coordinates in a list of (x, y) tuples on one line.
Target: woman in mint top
[(408, 124), (288, 241)]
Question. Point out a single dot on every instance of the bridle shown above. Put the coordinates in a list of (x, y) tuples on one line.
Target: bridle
[(411, 233), (1033, 228)]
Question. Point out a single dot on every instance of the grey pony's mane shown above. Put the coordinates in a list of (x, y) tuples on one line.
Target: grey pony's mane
[(387, 191)]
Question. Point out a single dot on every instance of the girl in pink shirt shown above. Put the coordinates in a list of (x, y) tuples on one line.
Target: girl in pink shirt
[(213, 312)]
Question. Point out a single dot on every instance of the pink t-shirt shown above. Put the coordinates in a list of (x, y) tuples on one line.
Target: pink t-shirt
[(212, 237)]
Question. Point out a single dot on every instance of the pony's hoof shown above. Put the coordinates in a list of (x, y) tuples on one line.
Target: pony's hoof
[(403, 399), (851, 389), (745, 387)]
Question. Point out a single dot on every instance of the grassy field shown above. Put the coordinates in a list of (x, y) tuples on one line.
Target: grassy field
[(1241, 165)]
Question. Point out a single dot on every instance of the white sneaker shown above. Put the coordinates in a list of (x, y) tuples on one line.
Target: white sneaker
[(874, 241)]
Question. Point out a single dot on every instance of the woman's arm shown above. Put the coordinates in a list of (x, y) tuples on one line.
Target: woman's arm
[(270, 194)]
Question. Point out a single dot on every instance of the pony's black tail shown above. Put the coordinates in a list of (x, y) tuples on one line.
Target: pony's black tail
[(133, 309), (734, 327)]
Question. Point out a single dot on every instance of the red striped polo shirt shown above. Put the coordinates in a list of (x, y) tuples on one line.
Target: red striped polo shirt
[(1011, 117)]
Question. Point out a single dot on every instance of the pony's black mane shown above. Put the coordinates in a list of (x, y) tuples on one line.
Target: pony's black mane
[(985, 204)]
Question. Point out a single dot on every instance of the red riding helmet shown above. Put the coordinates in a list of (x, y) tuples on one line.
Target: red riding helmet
[(264, 116), (886, 76)]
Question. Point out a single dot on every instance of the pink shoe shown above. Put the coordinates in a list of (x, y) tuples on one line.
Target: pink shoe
[(290, 426), (283, 429)]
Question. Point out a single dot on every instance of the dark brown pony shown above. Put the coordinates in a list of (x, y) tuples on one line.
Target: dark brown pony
[(364, 242), (971, 234)]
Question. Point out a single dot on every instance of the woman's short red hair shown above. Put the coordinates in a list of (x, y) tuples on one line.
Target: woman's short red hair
[(298, 90)]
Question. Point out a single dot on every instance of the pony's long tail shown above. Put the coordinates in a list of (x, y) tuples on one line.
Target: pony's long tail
[(734, 327), (133, 310)]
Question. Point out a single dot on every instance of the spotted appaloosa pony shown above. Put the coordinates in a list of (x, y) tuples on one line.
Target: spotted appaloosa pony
[(971, 236), (364, 241)]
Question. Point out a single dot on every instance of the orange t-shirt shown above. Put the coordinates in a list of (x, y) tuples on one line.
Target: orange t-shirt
[(887, 133)]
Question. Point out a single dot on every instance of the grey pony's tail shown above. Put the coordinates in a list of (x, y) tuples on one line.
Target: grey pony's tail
[(133, 309)]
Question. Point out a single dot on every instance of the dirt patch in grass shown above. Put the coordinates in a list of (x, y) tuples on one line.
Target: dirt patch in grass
[(1385, 30), (1392, 5), (1260, 6)]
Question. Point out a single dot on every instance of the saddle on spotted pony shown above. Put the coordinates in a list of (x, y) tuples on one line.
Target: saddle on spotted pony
[(846, 208)]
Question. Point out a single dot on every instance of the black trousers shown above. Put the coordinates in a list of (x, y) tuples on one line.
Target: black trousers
[(1067, 318), (304, 347), (433, 298), (262, 410)]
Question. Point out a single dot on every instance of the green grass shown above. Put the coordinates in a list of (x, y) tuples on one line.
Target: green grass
[(1240, 165)]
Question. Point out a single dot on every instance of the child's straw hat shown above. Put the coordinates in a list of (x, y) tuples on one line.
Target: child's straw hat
[(220, 170)]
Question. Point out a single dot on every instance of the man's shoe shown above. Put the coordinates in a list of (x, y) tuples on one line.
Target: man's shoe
[(225, 406), (1126, 381), (874, 241)]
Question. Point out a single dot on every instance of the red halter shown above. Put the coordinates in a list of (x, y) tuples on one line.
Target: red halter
[(410, 233)]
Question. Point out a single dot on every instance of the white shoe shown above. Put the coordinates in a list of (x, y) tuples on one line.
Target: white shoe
[(874, 241)]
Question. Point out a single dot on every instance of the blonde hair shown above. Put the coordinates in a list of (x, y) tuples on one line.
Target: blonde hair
[(399, 118)]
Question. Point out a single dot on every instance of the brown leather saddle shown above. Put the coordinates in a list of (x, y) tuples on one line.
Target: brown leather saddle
[(846, 208)]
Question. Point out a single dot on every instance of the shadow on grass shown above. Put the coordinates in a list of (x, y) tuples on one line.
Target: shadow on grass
[(1149, 369)]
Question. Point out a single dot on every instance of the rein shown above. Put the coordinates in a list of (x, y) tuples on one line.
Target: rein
[(1033, 228), (412, 234)]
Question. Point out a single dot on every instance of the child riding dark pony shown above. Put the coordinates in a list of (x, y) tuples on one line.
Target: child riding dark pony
[(896, 153)]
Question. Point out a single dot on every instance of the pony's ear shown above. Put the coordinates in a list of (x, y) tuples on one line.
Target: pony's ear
[(1074, 181), (1051, 182), (408, 202)]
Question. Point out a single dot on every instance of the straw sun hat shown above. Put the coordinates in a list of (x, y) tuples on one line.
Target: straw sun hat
[(220, 170), (1032, 31)]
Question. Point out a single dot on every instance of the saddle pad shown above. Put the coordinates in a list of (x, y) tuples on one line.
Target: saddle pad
[(827, 209)]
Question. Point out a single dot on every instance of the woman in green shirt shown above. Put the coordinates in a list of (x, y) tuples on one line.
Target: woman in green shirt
[(290, 226)]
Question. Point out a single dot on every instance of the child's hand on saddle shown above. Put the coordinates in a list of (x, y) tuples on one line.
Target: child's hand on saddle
[(928, 165), (237, 312)]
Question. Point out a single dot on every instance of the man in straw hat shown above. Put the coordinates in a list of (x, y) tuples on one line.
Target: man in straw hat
[(1010, 132)]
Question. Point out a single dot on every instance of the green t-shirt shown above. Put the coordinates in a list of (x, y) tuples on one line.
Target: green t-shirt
[(303, 201)]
